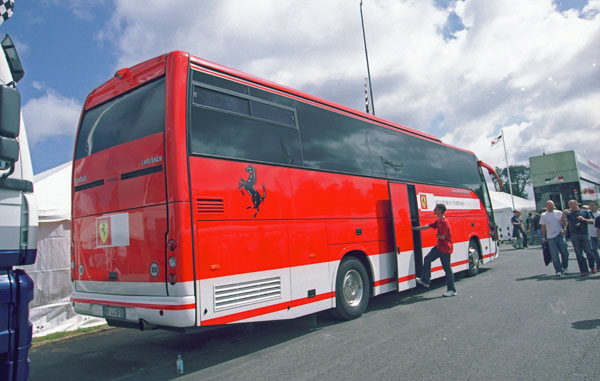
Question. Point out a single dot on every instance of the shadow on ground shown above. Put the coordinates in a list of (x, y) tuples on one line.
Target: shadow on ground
[(586, 324)]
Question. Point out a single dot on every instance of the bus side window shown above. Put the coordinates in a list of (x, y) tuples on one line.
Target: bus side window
[(333, 141), (235, 126), (399, 156)]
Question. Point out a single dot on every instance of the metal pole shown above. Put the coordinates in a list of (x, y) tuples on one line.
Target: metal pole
[(367, 56), (367, 100), (512, 198)]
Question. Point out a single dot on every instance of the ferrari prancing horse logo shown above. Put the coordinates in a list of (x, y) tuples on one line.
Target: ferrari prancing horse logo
[(249, 186)]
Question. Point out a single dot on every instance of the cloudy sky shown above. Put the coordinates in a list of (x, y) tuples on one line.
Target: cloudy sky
[(460, 70)]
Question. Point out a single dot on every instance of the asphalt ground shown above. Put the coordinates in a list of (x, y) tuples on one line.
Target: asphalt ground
[(516, 320)]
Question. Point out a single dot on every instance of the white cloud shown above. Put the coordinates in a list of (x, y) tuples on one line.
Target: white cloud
[(591, 9), (50, 115), (522, 66)]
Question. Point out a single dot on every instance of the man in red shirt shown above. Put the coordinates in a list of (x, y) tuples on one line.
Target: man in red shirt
[(442, 250)]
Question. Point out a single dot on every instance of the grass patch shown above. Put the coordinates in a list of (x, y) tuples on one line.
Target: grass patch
[(64, 335)]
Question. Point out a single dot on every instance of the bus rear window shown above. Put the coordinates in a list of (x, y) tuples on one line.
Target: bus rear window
[(128, 117)]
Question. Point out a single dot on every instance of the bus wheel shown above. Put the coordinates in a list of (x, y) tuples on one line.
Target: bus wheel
[(351, 290), (473, 259)]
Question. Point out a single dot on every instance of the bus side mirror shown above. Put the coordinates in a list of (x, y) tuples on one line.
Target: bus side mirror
[(12, 58), (497, 184), (10, 106), (493, 175), (10, 109), (9, 151)]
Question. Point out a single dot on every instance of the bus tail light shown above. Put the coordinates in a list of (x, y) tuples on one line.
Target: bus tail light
[(172, 279), (72, 262), (172, 245), (172, 262)]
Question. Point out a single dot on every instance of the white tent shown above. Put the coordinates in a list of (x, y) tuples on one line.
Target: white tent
[(50, 310), (503, 208)]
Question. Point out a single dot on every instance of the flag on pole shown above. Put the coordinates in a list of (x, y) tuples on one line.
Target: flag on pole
[(496, 140), (6, 9), (367, 100)]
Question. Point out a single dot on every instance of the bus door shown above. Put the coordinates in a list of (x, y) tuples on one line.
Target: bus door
[(409, 255)]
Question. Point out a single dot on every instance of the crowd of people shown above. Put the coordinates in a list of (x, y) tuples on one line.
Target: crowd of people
[(552, 227)]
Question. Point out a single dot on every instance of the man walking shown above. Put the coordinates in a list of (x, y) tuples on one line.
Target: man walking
[(517, 230), (593, 232), (578, 220), (553, 233), (442, 250), (530, 229)]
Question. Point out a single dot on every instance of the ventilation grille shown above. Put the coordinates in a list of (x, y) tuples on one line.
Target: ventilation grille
[(210, 205), (242, 294)]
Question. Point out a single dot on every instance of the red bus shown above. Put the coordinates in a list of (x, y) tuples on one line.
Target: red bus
[(205, 196)]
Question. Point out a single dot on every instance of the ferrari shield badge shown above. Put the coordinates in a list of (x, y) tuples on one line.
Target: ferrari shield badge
[(112, 230), (423, 201), (104, 231)]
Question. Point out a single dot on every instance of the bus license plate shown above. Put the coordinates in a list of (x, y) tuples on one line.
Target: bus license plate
[(114, 312)]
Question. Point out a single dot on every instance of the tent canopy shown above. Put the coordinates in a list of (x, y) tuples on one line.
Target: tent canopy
[(501, 200), (53, 193), (51, 310), (503, 207)]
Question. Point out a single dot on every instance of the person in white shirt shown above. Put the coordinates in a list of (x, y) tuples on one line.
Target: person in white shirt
[(594, 233), (553, 233)]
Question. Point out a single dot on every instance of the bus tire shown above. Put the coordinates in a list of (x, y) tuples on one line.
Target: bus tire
[(352, 290), (474, 260)]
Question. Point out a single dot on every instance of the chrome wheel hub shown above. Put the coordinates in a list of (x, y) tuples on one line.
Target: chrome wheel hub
[(353, 288), (473, 257)]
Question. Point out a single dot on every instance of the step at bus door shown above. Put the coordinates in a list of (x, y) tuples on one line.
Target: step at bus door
[(407, 242)]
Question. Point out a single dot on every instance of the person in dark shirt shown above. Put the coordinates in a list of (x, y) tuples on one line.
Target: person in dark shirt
[(597, 225), (593, 232), (578, 220), (537, 228), (529, 228), (442, 250), (517, 229)]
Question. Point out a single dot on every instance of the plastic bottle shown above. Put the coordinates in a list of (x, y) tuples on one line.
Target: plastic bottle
[(179, 364)]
